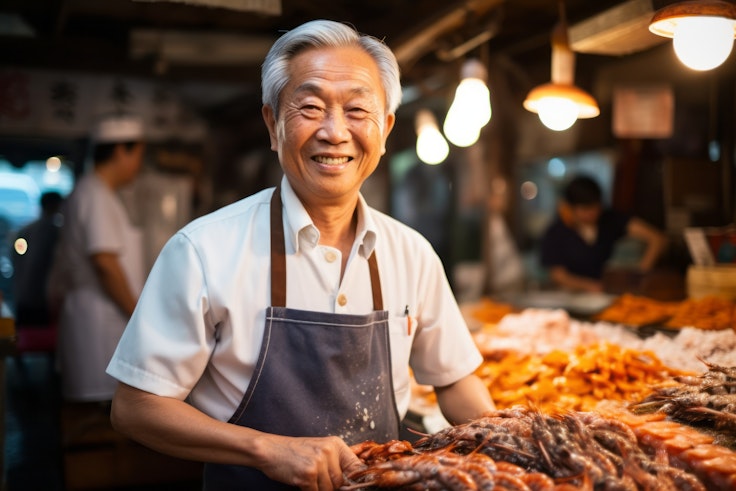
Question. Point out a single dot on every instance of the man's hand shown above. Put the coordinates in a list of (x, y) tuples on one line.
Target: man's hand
[(561, 277), (310, 464), (174, 427)]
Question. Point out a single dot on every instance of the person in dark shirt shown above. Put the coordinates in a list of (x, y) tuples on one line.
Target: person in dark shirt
[(577, 245), (32, 262)]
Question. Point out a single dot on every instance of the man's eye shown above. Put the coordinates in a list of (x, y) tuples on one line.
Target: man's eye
[(357, 111)]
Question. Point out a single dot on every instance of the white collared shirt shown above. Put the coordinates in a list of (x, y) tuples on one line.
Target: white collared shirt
[(197, 329)]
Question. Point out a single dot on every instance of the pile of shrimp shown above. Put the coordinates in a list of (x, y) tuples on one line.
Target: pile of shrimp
[(706, 400), (683, 446), (521, 449)]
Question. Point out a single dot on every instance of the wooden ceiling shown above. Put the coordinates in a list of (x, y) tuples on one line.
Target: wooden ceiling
[(100, 35)]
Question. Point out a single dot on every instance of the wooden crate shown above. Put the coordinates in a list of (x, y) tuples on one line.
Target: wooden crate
[(719, 280), (95, 456)]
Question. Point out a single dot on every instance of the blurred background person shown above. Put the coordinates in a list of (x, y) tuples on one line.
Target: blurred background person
[(580, 241), (99, 262), (504, 264), (34, 252)]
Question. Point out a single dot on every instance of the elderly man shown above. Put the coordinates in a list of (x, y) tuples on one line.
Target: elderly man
[(267, 358)]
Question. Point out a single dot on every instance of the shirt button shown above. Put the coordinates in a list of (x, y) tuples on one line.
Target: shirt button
[(342, 300), (330, 256)]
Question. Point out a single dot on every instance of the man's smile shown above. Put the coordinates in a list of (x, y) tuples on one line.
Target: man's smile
[(331, 160)]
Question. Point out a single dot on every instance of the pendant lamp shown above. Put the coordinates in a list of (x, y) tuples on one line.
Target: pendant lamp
[(702, 31), (560, 103)]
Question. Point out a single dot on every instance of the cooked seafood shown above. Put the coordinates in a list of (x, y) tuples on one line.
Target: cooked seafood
[(708, 399), (682, 446), (709, 312), (636, 310), (521, 448), (577, 380), (540, 331), (488, 311), (371, 452), (425, 470)]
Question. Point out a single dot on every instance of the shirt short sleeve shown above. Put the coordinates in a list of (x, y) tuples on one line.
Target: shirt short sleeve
[(167, 343), (101, 219)]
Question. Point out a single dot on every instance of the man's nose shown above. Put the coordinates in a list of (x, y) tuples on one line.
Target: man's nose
[(334, 127)]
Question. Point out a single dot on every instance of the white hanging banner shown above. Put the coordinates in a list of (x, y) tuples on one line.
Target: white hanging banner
[(61, 105), (57, 104)]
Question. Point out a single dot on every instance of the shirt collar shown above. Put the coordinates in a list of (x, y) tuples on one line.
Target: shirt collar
[(301, 231)]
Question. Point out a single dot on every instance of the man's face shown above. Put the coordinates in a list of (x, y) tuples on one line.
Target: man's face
[(332, 125), (130, 161), (586, 214)]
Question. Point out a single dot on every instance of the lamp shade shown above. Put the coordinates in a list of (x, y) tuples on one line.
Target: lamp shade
[(560, 105), (703, 31)]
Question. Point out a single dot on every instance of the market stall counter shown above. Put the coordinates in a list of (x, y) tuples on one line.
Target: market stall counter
[(583, 403)]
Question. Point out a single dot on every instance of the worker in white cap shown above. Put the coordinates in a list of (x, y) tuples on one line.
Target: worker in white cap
[(99, 262)]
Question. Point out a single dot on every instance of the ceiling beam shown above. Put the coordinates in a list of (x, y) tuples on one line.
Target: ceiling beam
[(422, 40)]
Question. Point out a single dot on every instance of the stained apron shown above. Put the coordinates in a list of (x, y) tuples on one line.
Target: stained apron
[(318, 374)]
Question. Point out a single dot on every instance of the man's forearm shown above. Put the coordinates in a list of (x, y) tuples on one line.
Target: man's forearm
[(114, 282), (573, 282), (465, 400)]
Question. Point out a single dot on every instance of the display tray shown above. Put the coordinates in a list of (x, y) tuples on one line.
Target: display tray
[(706, 313), (648, 330), (576, 304)]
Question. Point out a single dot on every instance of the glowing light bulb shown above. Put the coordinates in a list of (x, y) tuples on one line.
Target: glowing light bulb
[(471, 108), (432, 148), (53, 164), (20, 245), (459, 130), (557, 113), (703, 42), (702, 31), (560, 103)]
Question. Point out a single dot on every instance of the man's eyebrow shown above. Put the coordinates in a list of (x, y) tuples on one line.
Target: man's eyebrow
[(313, 88), (308, 87)]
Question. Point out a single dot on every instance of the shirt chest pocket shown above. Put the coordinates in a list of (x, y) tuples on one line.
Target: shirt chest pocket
[(402, 328)]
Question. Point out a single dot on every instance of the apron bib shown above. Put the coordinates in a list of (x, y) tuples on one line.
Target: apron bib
[(318, 374)]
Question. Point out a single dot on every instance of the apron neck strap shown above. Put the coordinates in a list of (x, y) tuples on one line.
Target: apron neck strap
[(375, 282), (278, 260), (278, 253)]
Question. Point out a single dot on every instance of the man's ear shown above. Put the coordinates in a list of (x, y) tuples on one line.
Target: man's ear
[(270, 119), (388, 125)]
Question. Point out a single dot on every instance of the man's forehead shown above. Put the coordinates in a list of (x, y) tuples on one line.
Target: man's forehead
[(334, 58)]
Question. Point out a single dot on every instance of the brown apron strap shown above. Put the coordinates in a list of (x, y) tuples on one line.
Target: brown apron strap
[(375, 282), (278, 253), (278, 260)]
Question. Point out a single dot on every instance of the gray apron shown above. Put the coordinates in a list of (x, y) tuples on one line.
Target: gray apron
[(318, 374)]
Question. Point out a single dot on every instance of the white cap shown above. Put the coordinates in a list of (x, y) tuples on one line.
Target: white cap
[(118, 129)]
